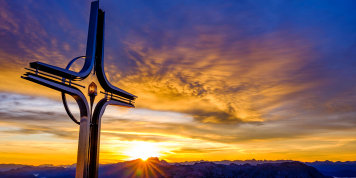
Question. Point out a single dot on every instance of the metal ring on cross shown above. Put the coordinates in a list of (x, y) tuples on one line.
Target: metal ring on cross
[(64, 99)]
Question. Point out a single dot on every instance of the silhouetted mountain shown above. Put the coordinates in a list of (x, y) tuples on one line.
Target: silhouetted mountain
[(7, 167), (209, 169), (328, 168), (240, 162), (153, 167), (38, 171), (336, 169)]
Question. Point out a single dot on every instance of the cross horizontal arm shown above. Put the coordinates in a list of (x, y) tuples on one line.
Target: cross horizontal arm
[(54, 70), (74, 92), (99, 62)]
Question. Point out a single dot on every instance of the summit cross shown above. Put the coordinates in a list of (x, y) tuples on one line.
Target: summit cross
[(65, 81)]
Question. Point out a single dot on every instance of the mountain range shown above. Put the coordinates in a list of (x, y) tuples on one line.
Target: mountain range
[(153, 167)]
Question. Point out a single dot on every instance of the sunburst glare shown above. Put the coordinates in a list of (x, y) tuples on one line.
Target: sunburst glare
[(142, 150)]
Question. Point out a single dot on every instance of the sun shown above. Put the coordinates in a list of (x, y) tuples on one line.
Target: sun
[(142, 150)]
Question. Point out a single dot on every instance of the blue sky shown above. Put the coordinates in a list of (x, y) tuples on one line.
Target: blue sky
[(243, 79)]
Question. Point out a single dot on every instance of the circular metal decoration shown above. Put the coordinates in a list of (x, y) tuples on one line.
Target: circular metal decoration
[(64, 99)]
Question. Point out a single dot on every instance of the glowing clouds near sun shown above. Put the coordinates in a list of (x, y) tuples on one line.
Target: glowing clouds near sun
[(142, 150)]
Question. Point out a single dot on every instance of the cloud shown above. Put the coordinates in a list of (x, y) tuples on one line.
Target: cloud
[(236, 87), (229, 73), (198, 150), (47, 130), (207, 67), (122, 127)]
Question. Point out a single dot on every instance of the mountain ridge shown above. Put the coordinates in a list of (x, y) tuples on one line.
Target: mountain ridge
[(153, 167)]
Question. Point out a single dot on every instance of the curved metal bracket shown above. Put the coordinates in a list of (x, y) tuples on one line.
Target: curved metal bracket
[(73, 60), (64, 99), (69, 113)]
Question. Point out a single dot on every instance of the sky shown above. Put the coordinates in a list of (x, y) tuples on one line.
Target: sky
[(215, 80)]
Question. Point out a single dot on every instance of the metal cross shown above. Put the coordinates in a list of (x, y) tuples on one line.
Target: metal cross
[(63, 80)]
